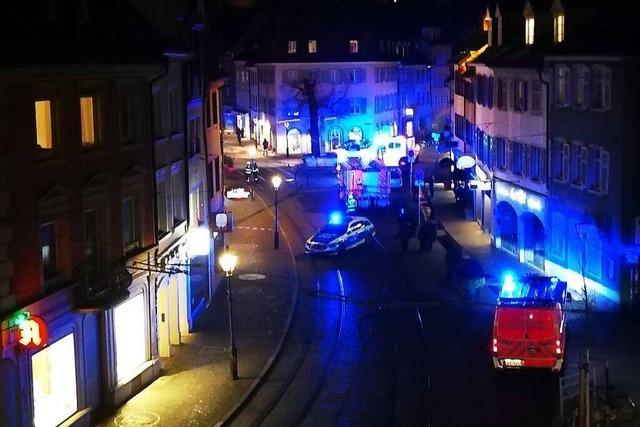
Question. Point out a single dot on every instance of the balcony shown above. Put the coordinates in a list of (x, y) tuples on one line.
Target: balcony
[(101, 287)]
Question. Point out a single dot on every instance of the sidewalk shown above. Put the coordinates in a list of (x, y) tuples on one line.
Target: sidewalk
[(195, 388)]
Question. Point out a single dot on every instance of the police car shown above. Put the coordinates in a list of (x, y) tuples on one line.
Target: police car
[(340, 234)]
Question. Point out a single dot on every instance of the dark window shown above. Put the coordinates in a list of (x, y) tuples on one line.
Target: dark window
[(91, 237), (502, 94), (520, 95), (216, 165), (48, 250), (129, 232)]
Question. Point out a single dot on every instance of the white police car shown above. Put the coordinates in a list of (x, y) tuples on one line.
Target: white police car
[(340, 234)]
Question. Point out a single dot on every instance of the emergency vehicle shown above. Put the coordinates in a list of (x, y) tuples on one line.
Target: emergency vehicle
[(368, 187), (529, 326)]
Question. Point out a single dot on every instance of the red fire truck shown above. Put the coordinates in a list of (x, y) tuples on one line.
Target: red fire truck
[(529, 325)]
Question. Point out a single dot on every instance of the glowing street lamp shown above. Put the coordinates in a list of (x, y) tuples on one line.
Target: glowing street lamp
[(228, 263), (276, 180)]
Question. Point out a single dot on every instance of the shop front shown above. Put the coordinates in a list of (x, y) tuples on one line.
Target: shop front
[(131, 353), (519, 223), (50, 365)]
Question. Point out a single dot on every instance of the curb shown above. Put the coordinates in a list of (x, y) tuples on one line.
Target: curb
[(240, 402)]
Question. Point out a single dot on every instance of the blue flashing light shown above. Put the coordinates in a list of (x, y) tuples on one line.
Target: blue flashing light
[(335, 218), (508, 285)]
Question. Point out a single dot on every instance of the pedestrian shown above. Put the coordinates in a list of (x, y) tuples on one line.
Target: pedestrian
[(239, 135), (265, 147), (432, 185), (406, 231)]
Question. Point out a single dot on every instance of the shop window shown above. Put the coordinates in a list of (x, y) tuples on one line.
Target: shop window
[(87, 120), (48, 250), (44, 124), (54, 383), (130, 324)]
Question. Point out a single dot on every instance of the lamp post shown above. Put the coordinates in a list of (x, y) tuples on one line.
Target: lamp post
[(286, 130), (228, 263), (276, 181)]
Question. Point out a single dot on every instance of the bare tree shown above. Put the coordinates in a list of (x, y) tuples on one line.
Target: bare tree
[(307, 94)]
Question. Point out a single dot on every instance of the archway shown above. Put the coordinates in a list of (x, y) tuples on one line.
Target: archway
[(294, 139), (335, 137), (533, 240), (507, 227)]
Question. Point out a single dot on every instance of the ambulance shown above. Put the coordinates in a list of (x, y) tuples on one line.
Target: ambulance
[(529, 326)]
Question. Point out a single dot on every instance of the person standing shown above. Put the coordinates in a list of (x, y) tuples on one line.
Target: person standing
[(265, 147), (239, 135)]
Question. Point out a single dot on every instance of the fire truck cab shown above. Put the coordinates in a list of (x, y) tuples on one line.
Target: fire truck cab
[(529, 326)]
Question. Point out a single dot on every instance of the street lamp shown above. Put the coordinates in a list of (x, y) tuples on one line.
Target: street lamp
[(228, 263), (276, 180)]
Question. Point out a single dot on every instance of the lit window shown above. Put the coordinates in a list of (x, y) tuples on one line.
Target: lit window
[(353, 46), (48, 250), (44, 126), (558, 28), (292, 46), (528, 30), (313, 46), (87, 120), (129, 330), (55, 396)]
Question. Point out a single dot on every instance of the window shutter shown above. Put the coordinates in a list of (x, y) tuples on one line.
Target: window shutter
[(584, 159), (526, 164), (491, 92), (511, 93), (606, 83), (494, 152), (604, 175), (566, 149), (542, 165)]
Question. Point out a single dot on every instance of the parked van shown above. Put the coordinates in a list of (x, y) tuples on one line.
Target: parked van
[(529, 326)]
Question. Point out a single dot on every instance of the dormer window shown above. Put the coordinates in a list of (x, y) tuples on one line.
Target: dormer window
[(529, 27), (292, 46), (558, 28), (353, 46), (487, 25), (529, 24)]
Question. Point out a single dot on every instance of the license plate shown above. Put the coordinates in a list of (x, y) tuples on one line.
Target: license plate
[(513, 362)]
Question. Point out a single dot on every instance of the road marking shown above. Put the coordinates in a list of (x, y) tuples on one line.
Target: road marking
[(251, 276)]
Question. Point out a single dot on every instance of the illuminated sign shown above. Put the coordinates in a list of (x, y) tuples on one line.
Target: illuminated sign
[(32, 332), (408, 112), (520, 196)]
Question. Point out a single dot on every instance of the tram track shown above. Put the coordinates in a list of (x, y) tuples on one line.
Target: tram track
[(300, 366)]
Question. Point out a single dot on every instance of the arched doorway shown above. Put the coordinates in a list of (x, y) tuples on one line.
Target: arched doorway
[(507, 227), (335, 137), (294, 140), (533, 240)]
